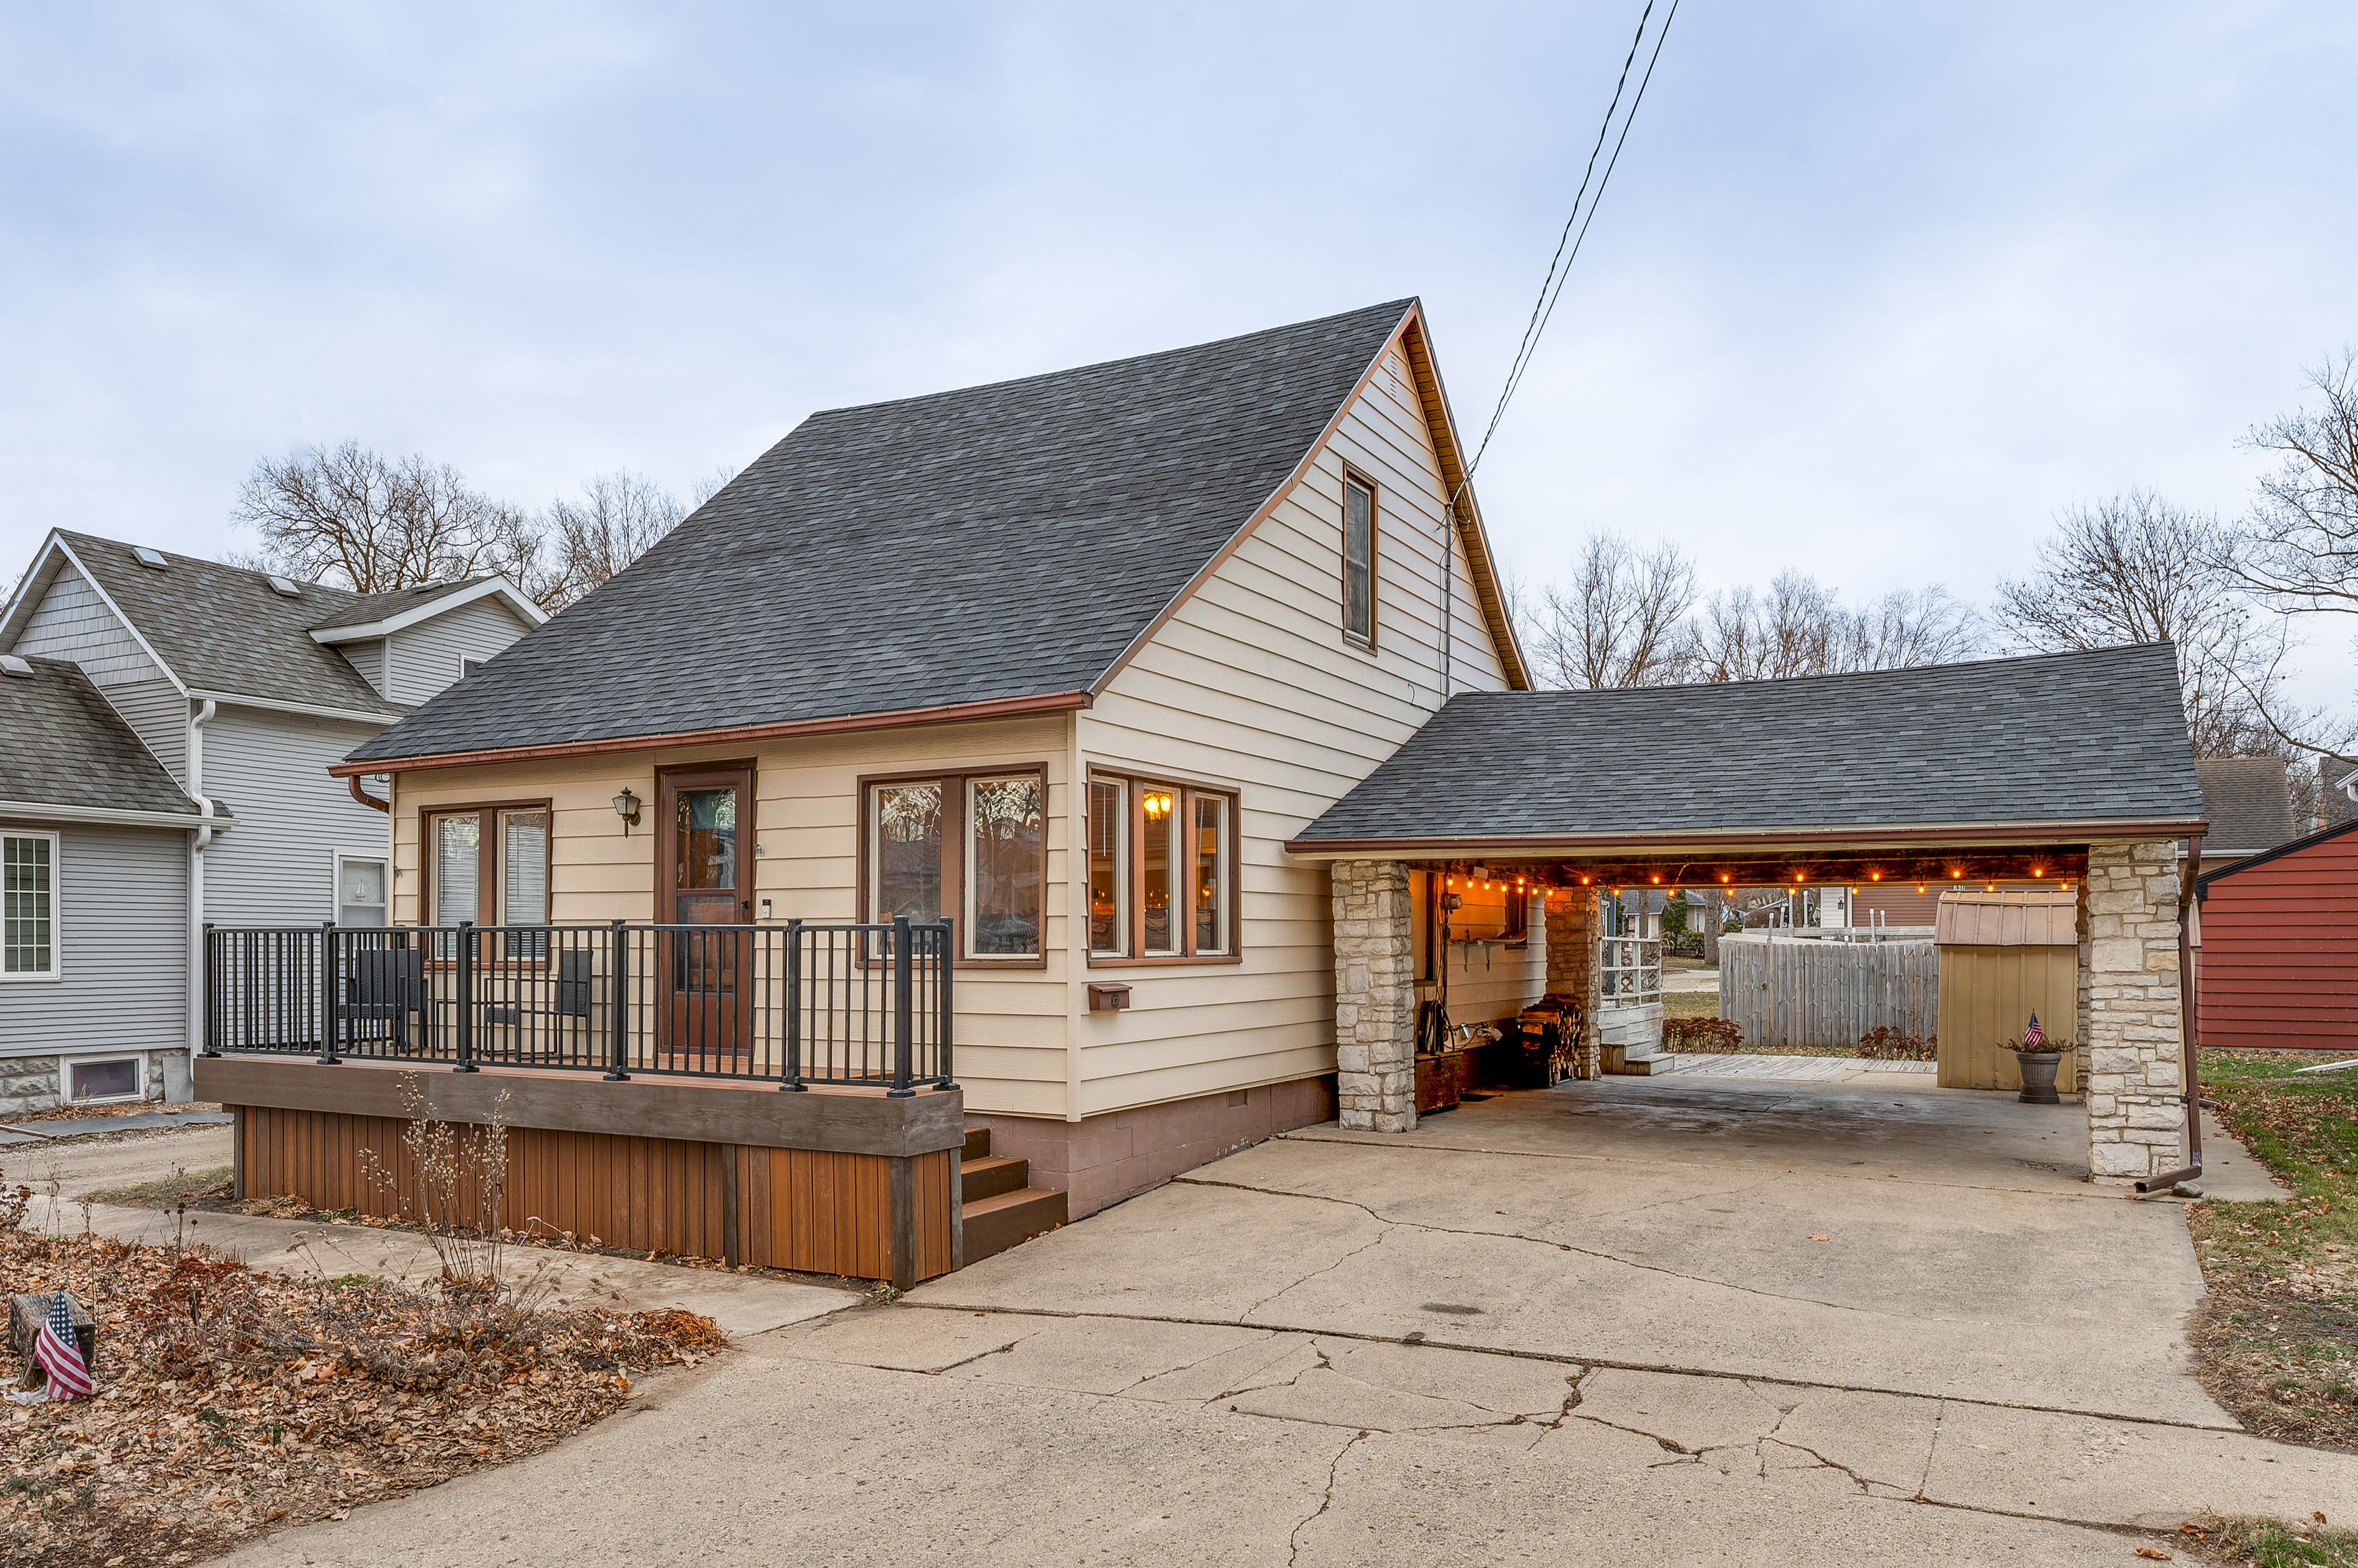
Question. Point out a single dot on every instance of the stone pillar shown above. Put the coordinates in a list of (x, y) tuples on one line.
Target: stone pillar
[(1572, 962), (1374, 997), (2137, 1109)]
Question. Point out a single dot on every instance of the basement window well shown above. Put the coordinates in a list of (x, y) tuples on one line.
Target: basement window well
[(104, 1078)]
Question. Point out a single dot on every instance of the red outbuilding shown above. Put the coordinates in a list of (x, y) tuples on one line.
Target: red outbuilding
[(2280, 967)]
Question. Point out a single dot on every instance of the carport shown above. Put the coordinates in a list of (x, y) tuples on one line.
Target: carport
[(2071, 768)]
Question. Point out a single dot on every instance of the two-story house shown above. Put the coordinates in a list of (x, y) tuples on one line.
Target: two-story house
[(241, 687)]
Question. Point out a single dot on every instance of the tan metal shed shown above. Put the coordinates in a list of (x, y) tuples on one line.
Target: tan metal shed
[(2005, 954)]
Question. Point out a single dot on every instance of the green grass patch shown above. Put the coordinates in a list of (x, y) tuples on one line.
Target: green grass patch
[(2277, 1335), (180, 1186), (2270, 1543)]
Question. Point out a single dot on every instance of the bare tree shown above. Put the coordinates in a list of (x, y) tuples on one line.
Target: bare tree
[(2298, 550), (1800, 627), (353, 516), (2135, 568), (1621, 622), (617, 517)]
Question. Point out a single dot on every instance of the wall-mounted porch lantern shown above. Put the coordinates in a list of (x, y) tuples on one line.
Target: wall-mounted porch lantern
[(626, 806)]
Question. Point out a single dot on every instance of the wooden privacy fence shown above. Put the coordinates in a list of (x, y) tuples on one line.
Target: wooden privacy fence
[(1802, 992)]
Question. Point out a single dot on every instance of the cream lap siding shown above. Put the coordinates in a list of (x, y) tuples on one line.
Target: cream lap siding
[(270, 771), (73, 622), (1012, 1023), (1250, 685), (424, 658), (123, 947), (159, 714)]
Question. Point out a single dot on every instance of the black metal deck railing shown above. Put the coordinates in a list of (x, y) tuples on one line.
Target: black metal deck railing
[(797, 1003)]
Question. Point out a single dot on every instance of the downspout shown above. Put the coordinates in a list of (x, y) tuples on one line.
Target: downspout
[(198, 841), (2186, 1028)]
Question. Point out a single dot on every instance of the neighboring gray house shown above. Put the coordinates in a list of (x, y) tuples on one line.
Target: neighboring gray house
[(242, 686), (95, 857)]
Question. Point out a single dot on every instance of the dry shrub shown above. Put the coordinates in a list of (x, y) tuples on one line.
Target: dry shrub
[(455, 1189), (1885, 1044), (1702, 1035), (231, 1399)]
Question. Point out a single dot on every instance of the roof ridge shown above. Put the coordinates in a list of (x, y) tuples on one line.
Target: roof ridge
[(1782, 681), (1401, 307)]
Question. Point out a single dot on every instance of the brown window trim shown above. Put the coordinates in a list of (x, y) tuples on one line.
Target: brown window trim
[(486, 887), (1352, 475), (1134, 786), (954, 847)]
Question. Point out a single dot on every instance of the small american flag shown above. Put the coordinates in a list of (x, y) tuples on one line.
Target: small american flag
[(60, 1353), (2034, 1038)]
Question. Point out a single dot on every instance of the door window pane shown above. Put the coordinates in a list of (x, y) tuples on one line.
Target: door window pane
[(906, 852), (1358, 559), (1108, 834), (1007, 825), (458, 868), (1158, 869), (27, 942), (706, 825), (1212, 874)]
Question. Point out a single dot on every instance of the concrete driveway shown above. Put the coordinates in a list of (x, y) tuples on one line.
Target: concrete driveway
[(1590, 1325)]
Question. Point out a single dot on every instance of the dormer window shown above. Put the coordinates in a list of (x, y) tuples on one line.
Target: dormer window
[(1358, 558)]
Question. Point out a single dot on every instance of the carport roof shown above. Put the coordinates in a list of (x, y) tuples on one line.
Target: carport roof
[(2058, 747)]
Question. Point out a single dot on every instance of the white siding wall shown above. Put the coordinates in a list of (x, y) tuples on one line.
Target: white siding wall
[(276, 867), (1252, 685), (424, 658), (123, 908)]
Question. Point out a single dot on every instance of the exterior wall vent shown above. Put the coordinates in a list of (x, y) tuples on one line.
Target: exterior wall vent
[(148, 557), (13, 665), (284, 586)]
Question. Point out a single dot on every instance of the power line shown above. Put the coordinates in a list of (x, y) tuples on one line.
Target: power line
[(1560, 265)]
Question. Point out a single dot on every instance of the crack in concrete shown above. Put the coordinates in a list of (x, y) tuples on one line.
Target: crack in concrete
[(1940, 1419), (1293, 1537), (1564, 1359), (1536, 1241), (1330, 1269)]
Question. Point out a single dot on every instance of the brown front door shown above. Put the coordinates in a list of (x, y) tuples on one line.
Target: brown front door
[(706, 821)]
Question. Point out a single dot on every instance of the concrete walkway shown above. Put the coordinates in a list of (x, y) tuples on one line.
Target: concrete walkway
[(1641, 1320)]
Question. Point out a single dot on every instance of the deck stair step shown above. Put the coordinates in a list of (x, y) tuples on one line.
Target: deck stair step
[(992, 1175), (995, 1223), (999, 1207)]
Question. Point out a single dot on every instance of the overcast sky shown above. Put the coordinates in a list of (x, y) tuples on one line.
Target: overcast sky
[(1876, 290)]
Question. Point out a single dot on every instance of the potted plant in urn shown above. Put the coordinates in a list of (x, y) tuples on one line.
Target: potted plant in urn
[(2037, 1056)]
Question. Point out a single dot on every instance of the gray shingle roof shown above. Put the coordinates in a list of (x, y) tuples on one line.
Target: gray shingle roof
[(1005, 541), (224, 629), (62, 744), (2249, 803), (2063, 737)]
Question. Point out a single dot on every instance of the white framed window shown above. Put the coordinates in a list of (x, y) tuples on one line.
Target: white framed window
[(96, 1080), (29, 928), (362, 886)]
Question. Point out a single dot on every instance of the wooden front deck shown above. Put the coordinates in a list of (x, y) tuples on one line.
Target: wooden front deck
[(831, 1179)]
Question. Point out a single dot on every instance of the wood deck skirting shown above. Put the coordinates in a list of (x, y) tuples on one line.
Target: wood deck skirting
[(828, 1180)]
